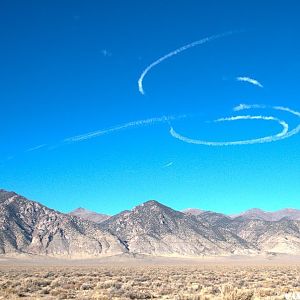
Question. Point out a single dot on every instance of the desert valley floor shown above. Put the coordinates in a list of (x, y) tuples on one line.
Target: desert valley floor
[(232, 278)]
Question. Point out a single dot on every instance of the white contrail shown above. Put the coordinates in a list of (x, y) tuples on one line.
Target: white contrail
[(294, 112), (285, 133), (262, 106), (266, 139), (289, 134), (250, 80), (134, 124), (248, 106), (175, 52), (296, 130), (169, 164), (36, 148)]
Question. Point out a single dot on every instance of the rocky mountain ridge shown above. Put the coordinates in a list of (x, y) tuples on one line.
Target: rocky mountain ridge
[(259, 214), (155, 229), (29, 227), (149, 229)]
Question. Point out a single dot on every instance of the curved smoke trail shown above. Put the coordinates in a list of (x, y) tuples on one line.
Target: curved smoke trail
[(175, 52), (285, 133), (250, 80)]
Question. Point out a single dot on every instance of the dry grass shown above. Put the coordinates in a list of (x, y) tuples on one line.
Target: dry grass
[(149, 282)]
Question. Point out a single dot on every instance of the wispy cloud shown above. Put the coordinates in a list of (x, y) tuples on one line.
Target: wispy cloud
[(250, 80)]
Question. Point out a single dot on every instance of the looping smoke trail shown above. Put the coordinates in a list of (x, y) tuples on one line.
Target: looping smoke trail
[(175, 52), (285, 133)]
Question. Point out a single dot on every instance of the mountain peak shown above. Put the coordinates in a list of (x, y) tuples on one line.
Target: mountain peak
[(148, 204), (5, 192), (79, 210), (151, 203), (152, 206), (89, 215), (255, 209), (155, 229)]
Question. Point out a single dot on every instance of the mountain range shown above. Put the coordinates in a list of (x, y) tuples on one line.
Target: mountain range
[(149, 229), (256, 213)]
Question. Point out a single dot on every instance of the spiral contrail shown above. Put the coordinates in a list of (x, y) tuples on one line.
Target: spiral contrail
[(285, 133), (175, 52)]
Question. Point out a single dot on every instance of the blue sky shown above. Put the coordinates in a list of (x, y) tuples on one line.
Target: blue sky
[(71, 67)]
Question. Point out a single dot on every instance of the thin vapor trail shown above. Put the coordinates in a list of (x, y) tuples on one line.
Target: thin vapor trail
[(294, 112), (169, 164), (134, 124), (250, 80), (262, 106), (36, 148), (175, 52), (248, 106)]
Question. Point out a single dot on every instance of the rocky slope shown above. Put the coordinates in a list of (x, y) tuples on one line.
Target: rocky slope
[(193, 211), (258, 214), (269, 236), (255, 214), (281, 236), (86, 214), (152, 228), (29, 227)]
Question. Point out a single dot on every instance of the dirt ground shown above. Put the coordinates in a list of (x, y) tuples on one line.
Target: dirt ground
[(232, 278)]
